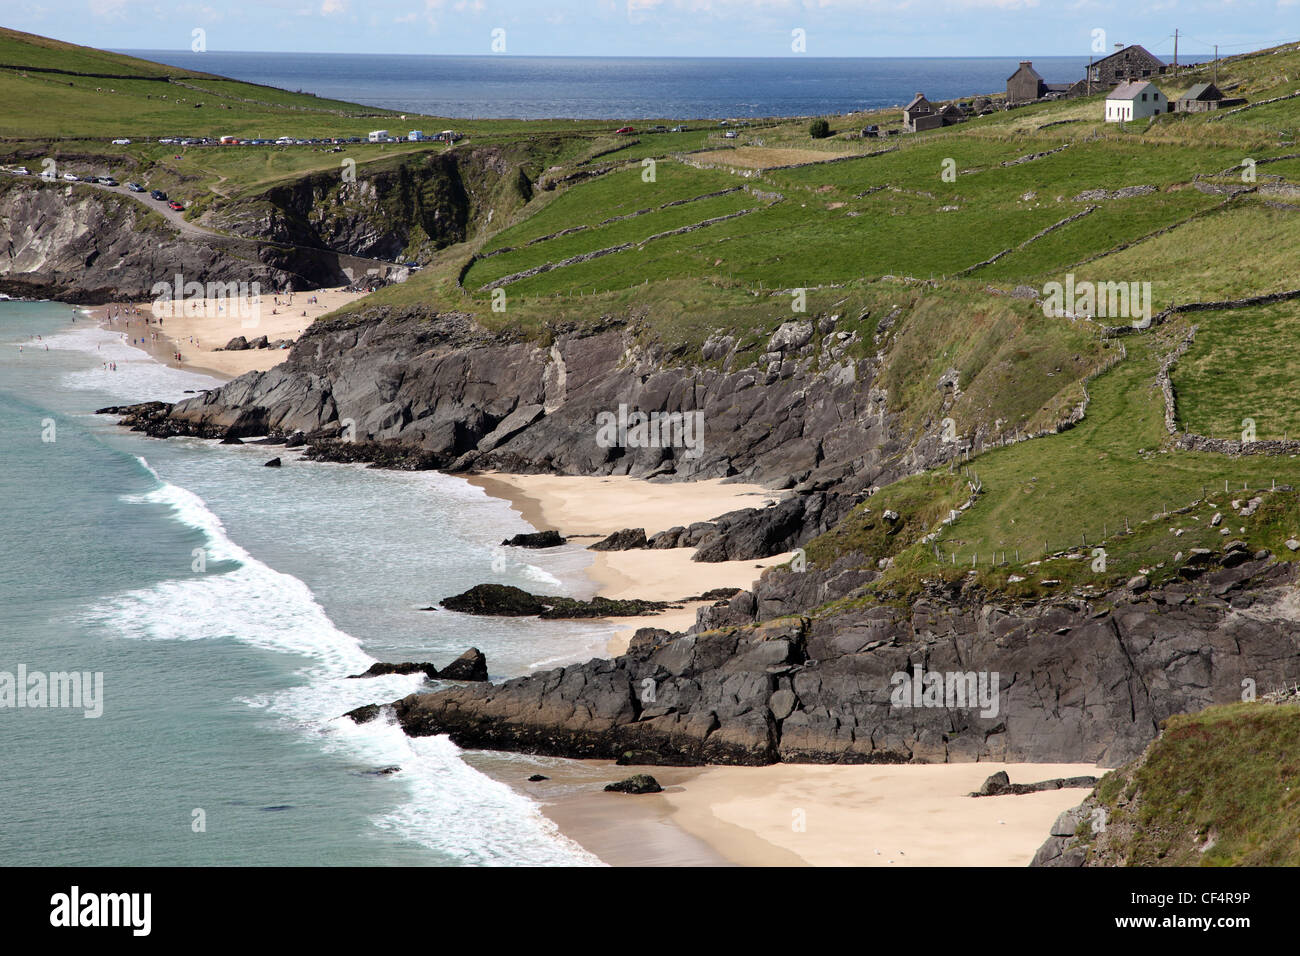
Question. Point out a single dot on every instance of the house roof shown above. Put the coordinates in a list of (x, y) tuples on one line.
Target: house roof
[(1131, 46), (918, 100), (1026, 67), (1202, 91), (1131, 90)]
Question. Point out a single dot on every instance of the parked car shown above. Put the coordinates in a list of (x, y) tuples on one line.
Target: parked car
[(174, 205), (135, 187), (730, 134), (158, 194), (121, 142), (680, 129), (657, 129), (69, 177), (21, 171), (626, 130)]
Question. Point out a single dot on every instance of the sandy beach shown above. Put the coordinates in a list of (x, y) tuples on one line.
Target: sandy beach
[(589, 508), (198, 337), (781, 815)]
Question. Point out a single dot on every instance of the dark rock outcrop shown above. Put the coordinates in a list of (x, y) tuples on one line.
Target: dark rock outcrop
[(628, 539), (1073, 680), (402, 388), (504, 600), (273, 463), (537, 539), (470, 666), (999, 784), (637, 783), (383, 669)]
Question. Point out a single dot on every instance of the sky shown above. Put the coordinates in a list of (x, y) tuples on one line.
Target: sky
[(668, 27)]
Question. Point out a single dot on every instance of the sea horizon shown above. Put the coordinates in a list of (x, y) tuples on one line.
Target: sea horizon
[(513, 86)]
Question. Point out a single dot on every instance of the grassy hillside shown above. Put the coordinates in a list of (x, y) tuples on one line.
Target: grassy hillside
[(928, 249), (1218, 788)]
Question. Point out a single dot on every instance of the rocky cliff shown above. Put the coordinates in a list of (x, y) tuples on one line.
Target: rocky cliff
[(78, 244), (803, 667), (402, 389), (756, 681), (405, 209)]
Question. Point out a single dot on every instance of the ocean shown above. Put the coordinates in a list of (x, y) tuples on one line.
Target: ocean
[(224, 604), (619, 88)]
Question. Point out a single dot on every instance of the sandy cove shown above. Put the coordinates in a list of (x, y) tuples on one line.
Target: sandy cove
[(590, 508), (197, 338), (780, 815)]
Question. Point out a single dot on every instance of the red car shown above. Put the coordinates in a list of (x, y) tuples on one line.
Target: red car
[(175, 205), (625, 130)]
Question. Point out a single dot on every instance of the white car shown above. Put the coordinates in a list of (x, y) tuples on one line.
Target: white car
[(121, 142), (70, 178), (730, 134)]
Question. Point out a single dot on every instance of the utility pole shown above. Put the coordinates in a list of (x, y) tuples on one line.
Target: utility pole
[(1216, 64), (1175, 51)]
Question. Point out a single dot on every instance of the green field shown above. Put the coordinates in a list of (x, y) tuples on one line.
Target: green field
[(881, 231)]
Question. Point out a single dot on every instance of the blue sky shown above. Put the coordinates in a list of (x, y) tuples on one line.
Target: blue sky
[(668, 27)]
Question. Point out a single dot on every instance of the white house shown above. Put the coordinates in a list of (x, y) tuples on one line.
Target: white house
[(378, 136), (1135, 99)]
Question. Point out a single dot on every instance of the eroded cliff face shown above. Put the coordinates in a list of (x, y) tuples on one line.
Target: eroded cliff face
[(77, 244), (772, 674), (445, 389), (404, 390), (404, 211), (1074, 680)]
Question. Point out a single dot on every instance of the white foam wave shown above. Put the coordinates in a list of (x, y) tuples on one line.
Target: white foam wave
[(450, 807), (138, 376)]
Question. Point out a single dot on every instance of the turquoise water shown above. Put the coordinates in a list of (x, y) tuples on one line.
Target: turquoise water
[(224, 677)]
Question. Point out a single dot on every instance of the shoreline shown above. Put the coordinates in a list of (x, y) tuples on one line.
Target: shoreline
[(199, 340), (777, 815)]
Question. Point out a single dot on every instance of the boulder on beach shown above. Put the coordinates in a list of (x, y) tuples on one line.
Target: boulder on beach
[(538, 778), (273, 463), (625, 540), (638, 783), (237, 344), (1000, 785), (230, 440), (537, 539)]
